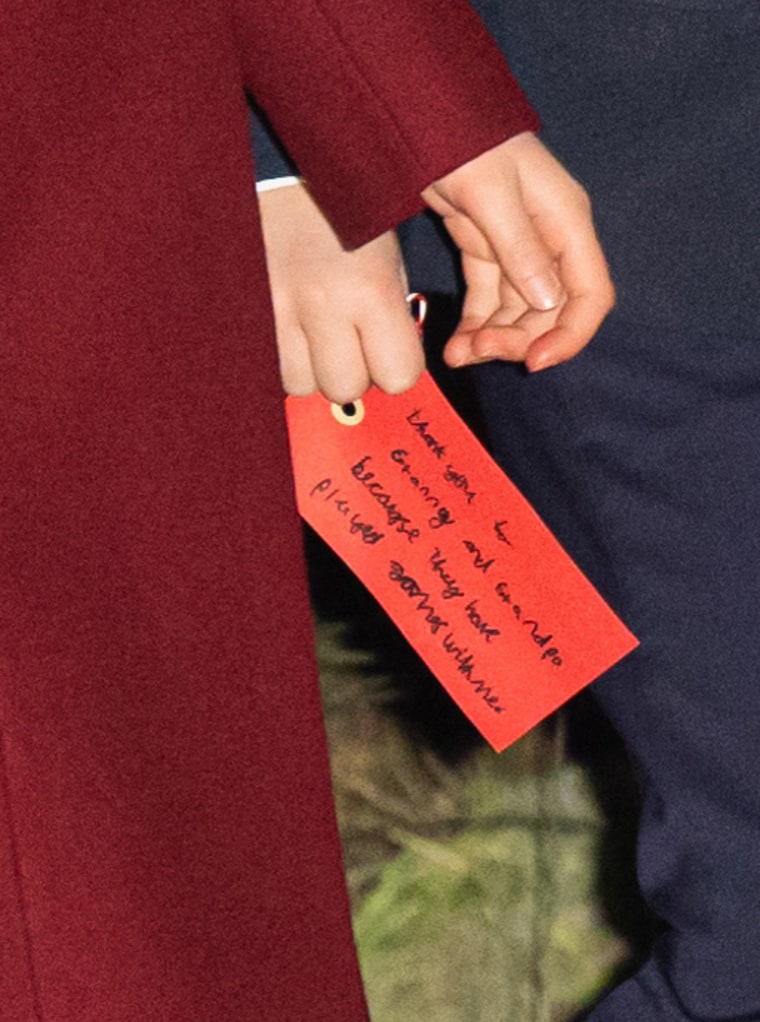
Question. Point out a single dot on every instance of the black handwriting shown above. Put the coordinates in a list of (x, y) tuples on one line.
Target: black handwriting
[(356, 527), (421, 428), (415, 592), (438, 562), (442, 515), (478, 558), (460, 482), (466, 666), (552, 654), (479, 623), (396, 518)]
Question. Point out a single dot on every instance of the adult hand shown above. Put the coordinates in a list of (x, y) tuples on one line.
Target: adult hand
[(341, 317), (538, 286)]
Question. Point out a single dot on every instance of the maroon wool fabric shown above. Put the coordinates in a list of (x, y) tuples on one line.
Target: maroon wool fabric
[(168, 848)]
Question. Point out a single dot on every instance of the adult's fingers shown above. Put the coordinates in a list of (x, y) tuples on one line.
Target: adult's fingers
[(590, 297), (484, 209), (526, 261), (511, 342), (489, 301)]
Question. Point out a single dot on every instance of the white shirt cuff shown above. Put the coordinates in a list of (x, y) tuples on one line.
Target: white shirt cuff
[(277, 182)]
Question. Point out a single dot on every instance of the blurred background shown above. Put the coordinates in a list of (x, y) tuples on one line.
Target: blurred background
[(484, 887)]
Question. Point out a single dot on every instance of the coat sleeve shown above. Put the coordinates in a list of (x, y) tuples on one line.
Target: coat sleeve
[(375, 99)]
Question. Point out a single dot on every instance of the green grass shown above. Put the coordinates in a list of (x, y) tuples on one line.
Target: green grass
[(474, 881)]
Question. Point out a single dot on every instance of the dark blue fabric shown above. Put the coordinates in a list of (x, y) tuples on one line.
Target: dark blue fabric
[(644, 452), (271, 159)]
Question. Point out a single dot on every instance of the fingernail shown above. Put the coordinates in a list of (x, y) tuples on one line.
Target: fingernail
[(543, 292), (457, 362), (541, 362)]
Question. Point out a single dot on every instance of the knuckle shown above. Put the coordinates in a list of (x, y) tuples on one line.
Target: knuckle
[(584, 200)]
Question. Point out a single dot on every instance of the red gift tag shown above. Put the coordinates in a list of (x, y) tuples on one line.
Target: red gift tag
[(409, 499)]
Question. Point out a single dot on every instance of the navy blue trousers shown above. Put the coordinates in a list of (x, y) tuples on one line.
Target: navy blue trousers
[(650, 476), (643, 454)]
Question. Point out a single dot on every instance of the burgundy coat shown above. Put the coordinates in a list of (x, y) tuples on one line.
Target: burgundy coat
[(167, 842)]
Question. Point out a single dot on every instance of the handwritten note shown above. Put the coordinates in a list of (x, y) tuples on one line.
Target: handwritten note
[(409, 499)]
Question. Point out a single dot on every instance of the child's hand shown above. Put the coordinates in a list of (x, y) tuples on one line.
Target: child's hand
[(341, 317)]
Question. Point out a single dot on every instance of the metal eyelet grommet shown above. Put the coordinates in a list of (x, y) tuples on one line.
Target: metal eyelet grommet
[(350, 414)]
